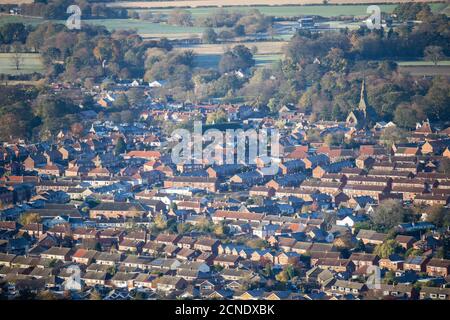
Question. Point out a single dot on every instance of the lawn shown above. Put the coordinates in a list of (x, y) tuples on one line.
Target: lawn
[(31, 62)]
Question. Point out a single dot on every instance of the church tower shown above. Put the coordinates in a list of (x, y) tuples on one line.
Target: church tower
[(364, 115)]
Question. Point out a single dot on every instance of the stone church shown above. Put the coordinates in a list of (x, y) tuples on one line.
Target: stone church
[(364, 116)]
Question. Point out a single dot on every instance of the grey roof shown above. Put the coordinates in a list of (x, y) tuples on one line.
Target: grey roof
[(119, 206)]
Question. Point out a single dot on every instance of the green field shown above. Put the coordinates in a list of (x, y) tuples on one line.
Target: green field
[(145, 28), (266, 59), (30, 62), (26, 20), (149, 29), (422, 63), (294, 11), (425, 68), (142, 27), (212, 60)]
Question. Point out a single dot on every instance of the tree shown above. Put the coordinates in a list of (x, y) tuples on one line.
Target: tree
[(392, 135), (257, 243), (13, 32), (183, 228), (286, 274), (444, 251), (161, 222), (434, 53), (410, 10), (389, 214), (95, 295), (219, 116), (121, 102), (136, 96), (411, 252), (444, 165), (406, 116), (386, 249), (16, 57), (240, 57), (121, 146), (438, 99), (76, 129), (439, 216), (55, 113), (98, 247), (267, 271), (389, 277), (28, 218), (220, 229), (17, 119), (209, 36), (335, 59), (180, 17), (336, 139), (204, 224), (46, 295), (282, 276)]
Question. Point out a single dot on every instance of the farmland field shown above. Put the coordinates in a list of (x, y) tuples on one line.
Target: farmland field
[(425, 68), (267, 47), (225, 3), (208, 55), (155, 30), (144, 27), (294, 10), (15, 1), (422, 63), (31, 62), (158, 30), (26, 20), (212, 60)]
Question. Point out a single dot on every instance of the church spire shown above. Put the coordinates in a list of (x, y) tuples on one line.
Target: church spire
[(363, 99)]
